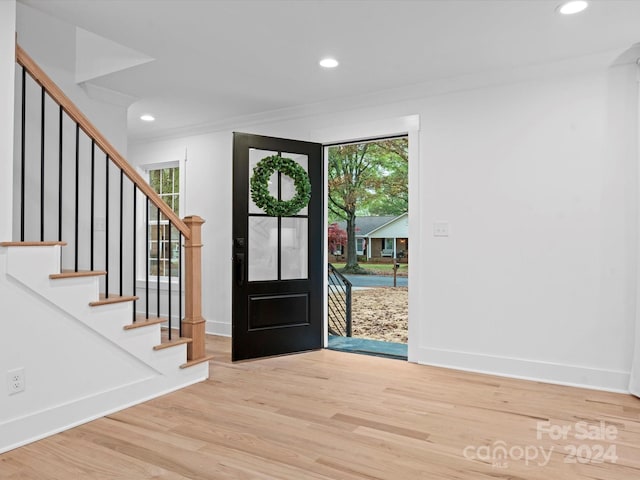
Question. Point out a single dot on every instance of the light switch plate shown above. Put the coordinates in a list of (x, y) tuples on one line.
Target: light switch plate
[(441, 229), (100, 224)]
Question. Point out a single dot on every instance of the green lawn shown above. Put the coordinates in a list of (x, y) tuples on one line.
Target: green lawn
[(378, 267)]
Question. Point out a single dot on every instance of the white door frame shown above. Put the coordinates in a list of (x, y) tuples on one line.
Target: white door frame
[(634, 380), (409, 125)]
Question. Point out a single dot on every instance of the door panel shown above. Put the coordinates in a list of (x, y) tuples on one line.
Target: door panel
[(277, 287)]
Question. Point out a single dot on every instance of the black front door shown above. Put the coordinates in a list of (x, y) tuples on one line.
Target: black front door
[(277, 271)]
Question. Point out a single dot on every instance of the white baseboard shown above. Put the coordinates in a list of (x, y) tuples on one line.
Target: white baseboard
[(218, 328), (30, 428), (547, 372)]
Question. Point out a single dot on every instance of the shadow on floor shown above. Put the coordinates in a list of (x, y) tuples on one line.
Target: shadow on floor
[(368, 347)]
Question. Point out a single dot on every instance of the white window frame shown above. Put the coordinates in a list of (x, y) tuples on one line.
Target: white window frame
[(142, 214), (360, 248)]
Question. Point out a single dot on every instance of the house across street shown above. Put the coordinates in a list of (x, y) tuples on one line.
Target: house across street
[(379, 237)]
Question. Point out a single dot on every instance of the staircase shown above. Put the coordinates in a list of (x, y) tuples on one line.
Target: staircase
[(36, 265), (69, 291)]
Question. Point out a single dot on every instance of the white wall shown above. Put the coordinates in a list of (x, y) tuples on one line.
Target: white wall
[(7, 62), (538, 182), (52, 44), (208, 194)]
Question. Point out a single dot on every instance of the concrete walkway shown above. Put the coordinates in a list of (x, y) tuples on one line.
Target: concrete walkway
[(368, 347)]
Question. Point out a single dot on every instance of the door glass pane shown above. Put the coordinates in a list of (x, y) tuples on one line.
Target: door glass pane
[(255, 156), (294, 248), (288, 187), (263, 248)]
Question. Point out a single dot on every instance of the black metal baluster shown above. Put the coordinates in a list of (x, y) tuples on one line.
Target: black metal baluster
[(348, 309), (180, 283), (158, 244), (331, 314), (42, 138), (135, 247), (22, 153), (169, 282), (106, 228), (121, 226), (339, 303), (60, 136), (77, 192), (93, 202), (146, 249)]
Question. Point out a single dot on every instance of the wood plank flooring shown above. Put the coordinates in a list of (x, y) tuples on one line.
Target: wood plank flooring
[(331, 415)]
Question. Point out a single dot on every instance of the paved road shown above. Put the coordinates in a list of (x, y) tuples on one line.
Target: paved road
[(376, 281)]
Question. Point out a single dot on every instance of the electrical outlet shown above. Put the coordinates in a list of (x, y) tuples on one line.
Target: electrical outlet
[(15, 381)]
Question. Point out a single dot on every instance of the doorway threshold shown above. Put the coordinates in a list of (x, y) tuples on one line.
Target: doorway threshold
[(366, 346)]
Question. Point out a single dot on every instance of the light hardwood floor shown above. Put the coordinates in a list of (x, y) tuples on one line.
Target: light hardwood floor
[(332, 415)]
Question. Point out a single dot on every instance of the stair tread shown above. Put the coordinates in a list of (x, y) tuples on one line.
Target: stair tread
[(172, 343), (112, 299), (32, 244), (74, 274), (141, 321), (197, 361)]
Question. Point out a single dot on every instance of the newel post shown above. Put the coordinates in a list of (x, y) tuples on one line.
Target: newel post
[(193, 324)]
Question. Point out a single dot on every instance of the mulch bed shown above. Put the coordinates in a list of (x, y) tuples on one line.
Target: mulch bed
[(381, 313)]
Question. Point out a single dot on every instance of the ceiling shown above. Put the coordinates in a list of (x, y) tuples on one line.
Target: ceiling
[(216, 60)]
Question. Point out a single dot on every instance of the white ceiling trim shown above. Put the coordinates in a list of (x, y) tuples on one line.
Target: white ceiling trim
[(444, 86)]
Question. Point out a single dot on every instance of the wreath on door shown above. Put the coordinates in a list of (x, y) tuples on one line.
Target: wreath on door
[(259, 184)]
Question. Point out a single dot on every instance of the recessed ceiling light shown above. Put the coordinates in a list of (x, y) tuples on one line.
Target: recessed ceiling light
[(576, 6), (147, 118), (329, 63)]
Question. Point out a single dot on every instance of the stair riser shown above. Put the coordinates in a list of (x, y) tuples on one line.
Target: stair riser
[(168, 359), (32, 267), (34, 262), (138, 340)]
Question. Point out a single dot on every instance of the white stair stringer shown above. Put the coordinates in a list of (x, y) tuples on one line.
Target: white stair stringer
[(108, 370), (32, 266)]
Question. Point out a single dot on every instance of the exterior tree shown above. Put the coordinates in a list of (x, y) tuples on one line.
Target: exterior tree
[(364, 177), (392, 196), (335, 237), (350, 181)]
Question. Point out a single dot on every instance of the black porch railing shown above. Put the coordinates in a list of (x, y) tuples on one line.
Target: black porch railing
[(339, 303)]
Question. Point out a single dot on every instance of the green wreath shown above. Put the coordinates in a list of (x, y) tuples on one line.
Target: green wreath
[(260, 186)]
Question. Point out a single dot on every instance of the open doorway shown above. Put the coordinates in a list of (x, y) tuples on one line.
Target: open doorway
[(368, 246)]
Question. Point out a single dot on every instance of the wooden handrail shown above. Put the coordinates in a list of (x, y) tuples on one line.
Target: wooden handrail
[(74, 113)]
